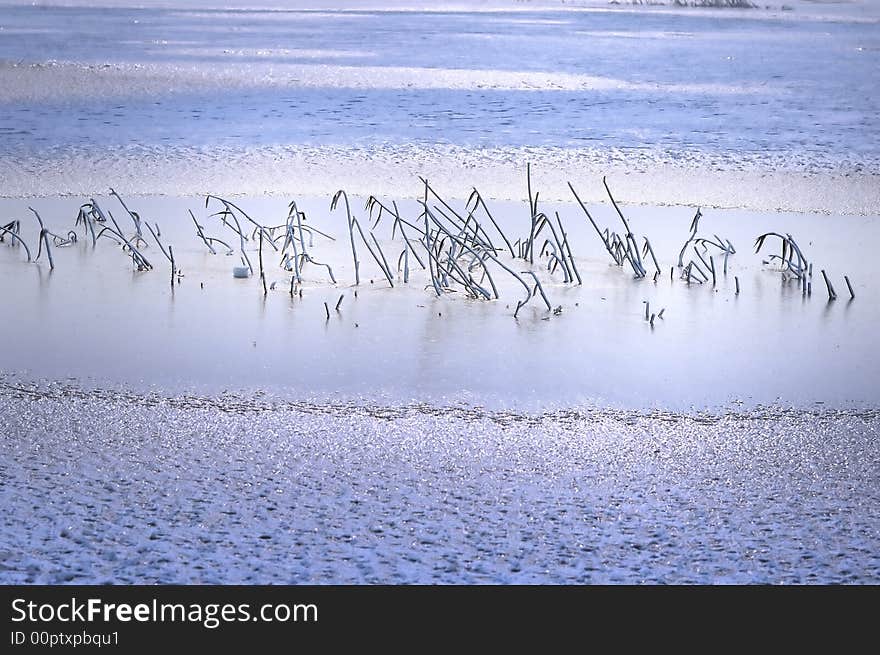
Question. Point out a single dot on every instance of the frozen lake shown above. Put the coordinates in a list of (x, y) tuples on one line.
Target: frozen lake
[(204, 432), (168, 100), (210, 434), (94, 317)]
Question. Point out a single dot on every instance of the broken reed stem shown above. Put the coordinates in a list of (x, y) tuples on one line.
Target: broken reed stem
[(202, 234), (532, 210), (736, 279), (382, 264), (43, 239), (593, 223), (156, 238), (486, 253), (568, 249), (540, 288), (637, 263), (385, 266), (300, 226), (694, 226), (557, 249), (339, 302), (341, 193), (649, 250), (86, 218), (327, 311), (480, 201), (171, 259), (428, 244), (702, 273), (308, 258), (262, 274), (136, 257), (831, 293), (458, 221), (237, 229), (135, 218), (231, 206), (852, 294), (296, 262), (17, 239), (48, 251)]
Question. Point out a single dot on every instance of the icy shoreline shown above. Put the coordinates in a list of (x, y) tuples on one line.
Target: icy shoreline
[(176, 494), (641, 177)]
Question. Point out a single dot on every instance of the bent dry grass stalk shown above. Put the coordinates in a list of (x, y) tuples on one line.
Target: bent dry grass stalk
[(262, 272), (832, 295), (540, 288), (138, 237), (695, 222), (208, 241), (158, 242), (799, 268), (228, 213), (341, 193), (452, 245), (12, 229), (43, 239), (173, 268), (629, 237), (620, 249)]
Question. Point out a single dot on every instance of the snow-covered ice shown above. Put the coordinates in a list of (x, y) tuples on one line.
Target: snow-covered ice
[(695, 105), (261, 490), (210, 434)]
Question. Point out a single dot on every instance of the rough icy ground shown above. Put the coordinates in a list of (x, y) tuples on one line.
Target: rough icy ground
[(116, 487)]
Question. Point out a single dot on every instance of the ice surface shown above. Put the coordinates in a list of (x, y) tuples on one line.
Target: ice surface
[(95, 319), (167, 101), (252, 490), (644, 177), (209, 434)]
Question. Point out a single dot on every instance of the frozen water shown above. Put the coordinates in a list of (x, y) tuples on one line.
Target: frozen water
[(94, 318), (237, 489), (209, 434), (167, 99)]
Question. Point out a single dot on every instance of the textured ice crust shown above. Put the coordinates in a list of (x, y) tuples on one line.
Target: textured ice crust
[(791, 9), (127, 488), (70, 80), (170, 101), (642, 177)]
